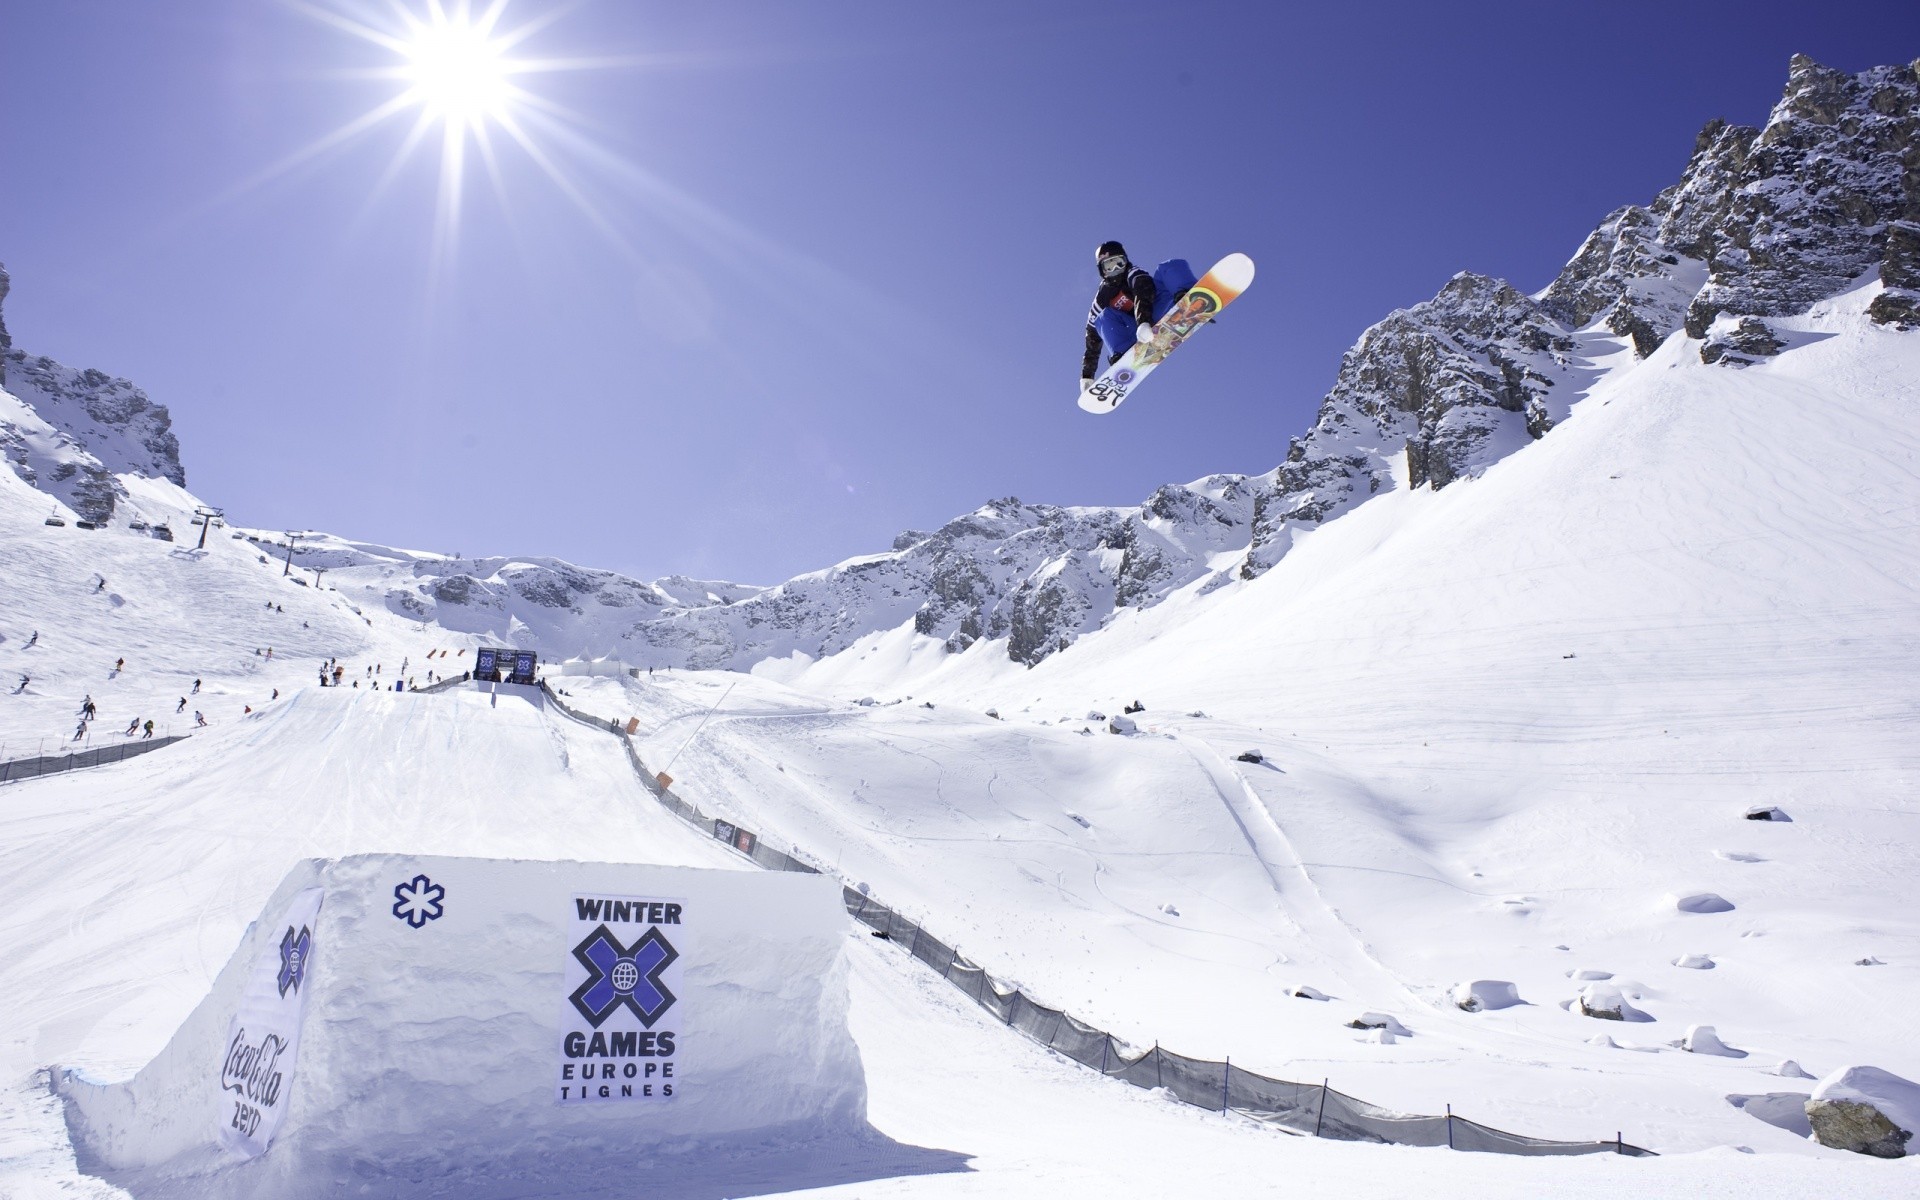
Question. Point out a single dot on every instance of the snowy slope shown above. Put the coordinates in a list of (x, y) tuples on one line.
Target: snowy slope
[(1509, 726), (108, 950)]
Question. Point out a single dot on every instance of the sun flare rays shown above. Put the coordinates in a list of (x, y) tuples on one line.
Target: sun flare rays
[(454, 67)]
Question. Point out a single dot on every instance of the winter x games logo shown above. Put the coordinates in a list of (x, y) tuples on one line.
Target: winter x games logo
[(621, 977)]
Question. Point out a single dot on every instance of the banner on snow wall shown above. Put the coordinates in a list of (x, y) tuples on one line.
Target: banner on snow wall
[(263, 1039), (622, 986)]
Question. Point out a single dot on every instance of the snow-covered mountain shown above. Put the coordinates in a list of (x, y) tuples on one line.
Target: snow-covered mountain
[(1762, 224), (70, 432), (104, 454), (1557, 590)]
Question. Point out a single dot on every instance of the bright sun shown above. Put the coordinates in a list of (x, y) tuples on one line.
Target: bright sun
[(458, 67), (458, 71)]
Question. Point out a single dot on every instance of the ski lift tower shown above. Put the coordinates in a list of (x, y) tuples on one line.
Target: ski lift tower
[(206, 517)]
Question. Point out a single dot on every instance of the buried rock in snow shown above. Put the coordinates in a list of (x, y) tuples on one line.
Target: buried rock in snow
[(1700, 902), (1608, 1003), (1703, 1039), (1865, 1110), (1481, 994), (1766, 812), (1375, 1020)]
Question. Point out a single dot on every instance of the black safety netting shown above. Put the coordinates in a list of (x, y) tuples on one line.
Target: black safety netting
[(1354, 1120), (1314, 1109), (1294, 1106), (1082, 1043)]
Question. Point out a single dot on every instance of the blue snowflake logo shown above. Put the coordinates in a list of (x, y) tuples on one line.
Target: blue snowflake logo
[(418, 901)]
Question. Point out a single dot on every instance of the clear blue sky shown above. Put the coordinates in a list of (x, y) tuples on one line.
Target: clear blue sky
[(813, 273)]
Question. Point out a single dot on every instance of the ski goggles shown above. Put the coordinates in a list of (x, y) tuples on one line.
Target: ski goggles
[(1113, 266)]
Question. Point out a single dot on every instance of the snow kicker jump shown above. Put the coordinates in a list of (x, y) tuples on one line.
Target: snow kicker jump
[(492, 1021), (1218, 288)]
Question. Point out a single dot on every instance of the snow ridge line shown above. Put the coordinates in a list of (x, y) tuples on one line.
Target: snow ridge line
[(1219, 1087)]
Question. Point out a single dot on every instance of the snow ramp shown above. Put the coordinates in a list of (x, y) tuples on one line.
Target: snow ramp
[(491, 1027)]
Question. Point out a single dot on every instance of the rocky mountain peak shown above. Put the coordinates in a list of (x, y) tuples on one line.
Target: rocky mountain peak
[(1805, 207), (1762, 223), (68, 432), (6, 340)]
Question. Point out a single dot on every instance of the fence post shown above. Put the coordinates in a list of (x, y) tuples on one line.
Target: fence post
[(1226, 1083), (1321, 1115), (1157, 1072), (1449, 1126), (1106, 1048), (1617, 1147)]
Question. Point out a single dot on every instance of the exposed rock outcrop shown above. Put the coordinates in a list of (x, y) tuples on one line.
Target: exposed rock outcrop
[(68, 432), (1865, 1110), (1803, 208)]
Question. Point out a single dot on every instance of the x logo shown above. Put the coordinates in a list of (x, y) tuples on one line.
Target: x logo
[(618, 975)]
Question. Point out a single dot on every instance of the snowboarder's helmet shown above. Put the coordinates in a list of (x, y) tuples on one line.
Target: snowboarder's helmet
[(1111, 258)]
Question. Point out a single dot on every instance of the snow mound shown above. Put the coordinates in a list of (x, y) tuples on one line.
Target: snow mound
[(1379, 1020), (1700, 902), (1607, 1002), (1696, 962), (1704, 1039), (1481, 994), (484, 1019)]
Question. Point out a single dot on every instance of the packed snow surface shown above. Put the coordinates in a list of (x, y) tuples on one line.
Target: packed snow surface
[(1502, 730)]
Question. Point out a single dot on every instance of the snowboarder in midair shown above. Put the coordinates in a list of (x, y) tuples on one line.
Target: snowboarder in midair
[(1122, 311)]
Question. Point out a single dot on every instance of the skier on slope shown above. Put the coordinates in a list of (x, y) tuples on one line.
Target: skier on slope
[(1127, 303)]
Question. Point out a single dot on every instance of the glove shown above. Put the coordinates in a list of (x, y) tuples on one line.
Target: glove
[(1086, 381), (1144, 333)]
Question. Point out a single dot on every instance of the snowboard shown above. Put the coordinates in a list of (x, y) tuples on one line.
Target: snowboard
[(1218, 288)]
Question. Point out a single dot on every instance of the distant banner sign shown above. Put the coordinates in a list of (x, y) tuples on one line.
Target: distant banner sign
[(484, 662), (617, 1039), (740, 839), (263, 1039)]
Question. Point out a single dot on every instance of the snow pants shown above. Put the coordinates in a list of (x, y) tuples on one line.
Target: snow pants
[(1171, 279)]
